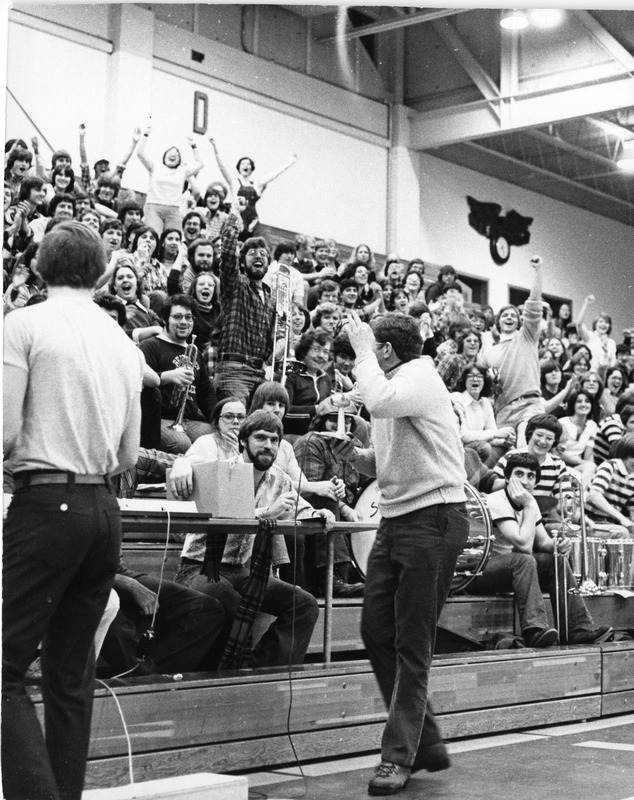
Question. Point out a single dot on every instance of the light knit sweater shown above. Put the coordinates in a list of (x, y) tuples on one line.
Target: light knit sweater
[(416, 451)]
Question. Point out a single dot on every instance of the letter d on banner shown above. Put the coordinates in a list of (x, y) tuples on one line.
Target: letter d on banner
[(201, 106)]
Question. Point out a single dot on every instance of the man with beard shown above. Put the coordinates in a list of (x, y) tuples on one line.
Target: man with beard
[(165, 355), (200, 255), (245, 325), (296, 611)]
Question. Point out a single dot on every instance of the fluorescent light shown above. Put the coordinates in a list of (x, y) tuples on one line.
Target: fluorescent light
[(546, 17), (514, 20), (626, 159)]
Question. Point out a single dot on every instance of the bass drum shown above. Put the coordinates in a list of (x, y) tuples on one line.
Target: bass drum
[(470, 562)]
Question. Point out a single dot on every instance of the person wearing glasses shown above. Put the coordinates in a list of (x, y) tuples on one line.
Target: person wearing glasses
[(167, 355)]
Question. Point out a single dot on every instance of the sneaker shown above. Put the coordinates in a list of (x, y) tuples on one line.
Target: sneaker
[(594, 636), (433, 758), (541, 637), (389, 778)]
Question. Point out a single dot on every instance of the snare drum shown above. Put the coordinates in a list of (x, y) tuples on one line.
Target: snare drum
[(470, 562), (620, 563)]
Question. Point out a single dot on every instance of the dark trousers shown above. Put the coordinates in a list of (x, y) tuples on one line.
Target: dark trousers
[(410, 569), (186, 625), (61, 550), (286, 640)]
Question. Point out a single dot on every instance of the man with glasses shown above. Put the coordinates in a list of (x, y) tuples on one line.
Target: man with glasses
[(166, 354), (245, 325)]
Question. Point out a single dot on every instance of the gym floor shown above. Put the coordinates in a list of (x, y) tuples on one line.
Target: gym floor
[(577, 761)]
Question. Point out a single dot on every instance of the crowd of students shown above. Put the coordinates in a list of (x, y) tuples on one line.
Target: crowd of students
[(167, 279)]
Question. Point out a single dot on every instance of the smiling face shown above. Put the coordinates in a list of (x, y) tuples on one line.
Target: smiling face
[(361, 275), (401, 302), (106, 194), (172, 157), (37, 196), (591, 384), (256, 262), (20, 168), (245, 167), (321, 255), (602, 326), (583, 406), (555, 348), (541, 442), (64, 211), (62, 182), (125, 284), (615, 382), (349, 295), (205, 289), (180, 323), (508, 321), (471, 346), (474, 383), (192, 227), (317, 357)]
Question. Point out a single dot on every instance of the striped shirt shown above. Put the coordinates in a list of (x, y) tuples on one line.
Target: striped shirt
[(616, 485), (610, 429), (553, 480), (245, 324)]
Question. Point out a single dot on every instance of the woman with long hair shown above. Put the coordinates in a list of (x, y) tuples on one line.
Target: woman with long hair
[(142, 323), (616, 383)]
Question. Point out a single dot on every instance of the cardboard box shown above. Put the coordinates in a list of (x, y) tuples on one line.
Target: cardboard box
[(222, 489)]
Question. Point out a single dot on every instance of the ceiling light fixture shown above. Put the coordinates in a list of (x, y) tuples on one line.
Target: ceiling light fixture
[(514, 20), (626, 160), (546, 17)]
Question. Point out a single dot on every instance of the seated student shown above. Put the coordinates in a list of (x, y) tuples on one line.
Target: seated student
[(309, 384), (283, 256), (296, 611), (615, 426), (522, 561), (579, 432), (610, 496), (320, 462), (543, 433), (327, 317), (173, 635)]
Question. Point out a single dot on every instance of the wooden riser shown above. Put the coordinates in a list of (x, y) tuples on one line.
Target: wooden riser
[(238, 721)]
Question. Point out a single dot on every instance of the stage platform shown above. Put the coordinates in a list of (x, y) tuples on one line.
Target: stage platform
[(240, 721)]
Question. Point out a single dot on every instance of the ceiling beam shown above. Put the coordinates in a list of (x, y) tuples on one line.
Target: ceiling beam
[(394, 24), (606, 40), (568, 147), (550, 177), (466, 59), (429, 129)]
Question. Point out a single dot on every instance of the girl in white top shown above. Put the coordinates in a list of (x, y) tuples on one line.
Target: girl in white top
[(162, 206), (598, 340), (577, 443)]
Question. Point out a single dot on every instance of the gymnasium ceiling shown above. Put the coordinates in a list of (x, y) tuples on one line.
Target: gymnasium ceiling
[(547, 110)]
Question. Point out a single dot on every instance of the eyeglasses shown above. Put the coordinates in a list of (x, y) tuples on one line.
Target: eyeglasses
[(233, 417), (316, 350), (182, 317)]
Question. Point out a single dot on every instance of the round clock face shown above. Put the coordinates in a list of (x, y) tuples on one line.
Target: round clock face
[(500, 250)]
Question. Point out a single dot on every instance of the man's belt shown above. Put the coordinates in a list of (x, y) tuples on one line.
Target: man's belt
[(527, 396), (26, 478), (256, 363)]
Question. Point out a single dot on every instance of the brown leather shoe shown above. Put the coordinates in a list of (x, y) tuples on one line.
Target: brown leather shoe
[(389, 778)]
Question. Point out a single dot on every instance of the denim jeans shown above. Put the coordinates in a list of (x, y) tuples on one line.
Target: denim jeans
[(409, 575), (527, 575), (173, 441), (61, 550)]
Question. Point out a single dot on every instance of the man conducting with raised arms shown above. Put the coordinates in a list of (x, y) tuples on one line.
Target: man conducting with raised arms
[(417, 457), (72, 383)]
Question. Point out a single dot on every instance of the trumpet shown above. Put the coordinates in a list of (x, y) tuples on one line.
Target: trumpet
[(181, 394)]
